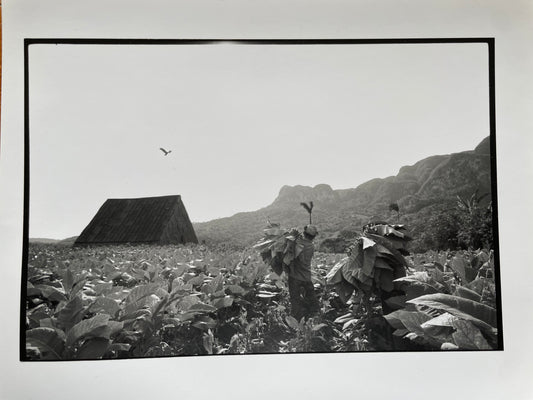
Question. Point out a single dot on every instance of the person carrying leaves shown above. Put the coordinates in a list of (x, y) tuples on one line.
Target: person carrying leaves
[(304, 302)]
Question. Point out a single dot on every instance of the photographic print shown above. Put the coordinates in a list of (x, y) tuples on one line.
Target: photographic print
[(217, 197)]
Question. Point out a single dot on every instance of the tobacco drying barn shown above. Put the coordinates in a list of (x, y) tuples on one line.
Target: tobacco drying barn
[(153, 220)]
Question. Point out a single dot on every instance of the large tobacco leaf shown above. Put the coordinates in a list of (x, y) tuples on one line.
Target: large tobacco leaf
[(104, 288), (462, 268), (478, 313), (93, 349), (223, 302), (140, 292), (334, 276), (144, 306), (51, 293), (468, 336), (202, 307), (440, 327), (96, 326), (411, 320), (71, 313), (466, 293), (49, 341), (215, 285), (104, 305)]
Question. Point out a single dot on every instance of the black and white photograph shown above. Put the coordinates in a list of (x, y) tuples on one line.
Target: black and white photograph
[(275, 199), (253, 197)]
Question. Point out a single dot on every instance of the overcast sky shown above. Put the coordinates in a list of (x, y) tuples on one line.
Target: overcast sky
[(241, 121)]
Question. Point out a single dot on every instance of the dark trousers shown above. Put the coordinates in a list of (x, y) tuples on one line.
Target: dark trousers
[(303, 299)]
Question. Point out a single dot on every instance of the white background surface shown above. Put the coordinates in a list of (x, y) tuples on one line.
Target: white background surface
[(465, 375)]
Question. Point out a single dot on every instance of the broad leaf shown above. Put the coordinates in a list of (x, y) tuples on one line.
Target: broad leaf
[(208, 340), (93, 349), (419, 276), (400, 332), (202, 307), (92, 327), (119, 347), (367, 243), (38, 313), (71, 314), (466, 293), (383, 251), (204, 323), (140, 292), (187, 302), (175, 322), (382, 263), (52, 293), (145, 306), (385, 280), (445, 319), (180, 288), (161, 293), (449, 346), (470, 274), (47, 323), (334, 276), (49, 341), (68, 280), (223, 302), (343, 318), (396, 302), (440, 328), (265, 294), (292, 322), (468, 336), (103, 288), (402, 319), (344, 290), (32, 291), (478, 285), (179, 270), (216, 284), (349, 323), (370, 254), (104, 305), (78, 285), (197, 280), (413, 320), (186, 316), (213, 271), (115, 327), (318, 327), (459, 265), (417, 289), (235, 289), (460, 307)]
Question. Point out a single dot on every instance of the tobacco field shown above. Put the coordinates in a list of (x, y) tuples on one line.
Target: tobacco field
[(125, 301)]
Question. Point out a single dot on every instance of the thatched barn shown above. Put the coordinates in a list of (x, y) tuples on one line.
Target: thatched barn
[(153, 220)]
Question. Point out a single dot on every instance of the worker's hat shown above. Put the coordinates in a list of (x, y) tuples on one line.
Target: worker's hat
[(311, 230)]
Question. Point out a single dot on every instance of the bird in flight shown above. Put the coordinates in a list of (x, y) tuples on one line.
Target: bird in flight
[(164, 151)]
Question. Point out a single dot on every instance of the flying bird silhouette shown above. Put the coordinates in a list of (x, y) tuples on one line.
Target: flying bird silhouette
[(164, 151)]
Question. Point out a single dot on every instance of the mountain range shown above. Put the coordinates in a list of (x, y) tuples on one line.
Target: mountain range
[(417, 190)]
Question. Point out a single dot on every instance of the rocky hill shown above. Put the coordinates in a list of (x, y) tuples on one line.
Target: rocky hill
[(417, 189)]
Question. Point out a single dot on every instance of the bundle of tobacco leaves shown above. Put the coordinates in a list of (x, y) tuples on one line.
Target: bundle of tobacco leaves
[(374, 261), (279, 247)]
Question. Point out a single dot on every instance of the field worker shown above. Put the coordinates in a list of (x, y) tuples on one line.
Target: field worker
[(301, 291)]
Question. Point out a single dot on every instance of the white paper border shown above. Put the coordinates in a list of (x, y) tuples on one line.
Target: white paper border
[(488, 375)]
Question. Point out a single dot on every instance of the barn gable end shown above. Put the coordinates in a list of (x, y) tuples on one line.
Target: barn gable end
[(179, 228), (157, 220)]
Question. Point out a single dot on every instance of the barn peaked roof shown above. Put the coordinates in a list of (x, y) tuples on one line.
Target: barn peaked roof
[(140, 220)]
